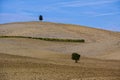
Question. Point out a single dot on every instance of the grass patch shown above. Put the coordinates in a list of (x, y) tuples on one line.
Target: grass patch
[(46, 39)]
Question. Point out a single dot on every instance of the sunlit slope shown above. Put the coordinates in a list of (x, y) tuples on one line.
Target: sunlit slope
[(56, 67), (55, 30), (99, 43)]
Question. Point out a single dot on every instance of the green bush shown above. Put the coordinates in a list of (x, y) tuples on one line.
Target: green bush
[(47, 39), (76, 57)]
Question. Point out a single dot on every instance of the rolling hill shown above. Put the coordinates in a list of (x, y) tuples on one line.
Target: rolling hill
[(98, 43), (33, 59)]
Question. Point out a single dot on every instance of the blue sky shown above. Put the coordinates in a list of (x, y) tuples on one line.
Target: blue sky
[(104, 14)]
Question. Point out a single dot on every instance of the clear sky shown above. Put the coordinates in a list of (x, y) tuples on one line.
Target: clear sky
[(104, 14)]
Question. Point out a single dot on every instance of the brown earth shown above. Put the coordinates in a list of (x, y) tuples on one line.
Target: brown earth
[(28, 59), (57, 67)]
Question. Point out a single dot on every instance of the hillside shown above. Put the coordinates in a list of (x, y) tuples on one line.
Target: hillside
[(101, 44), (56, 67), (34, 59), (46, 29)]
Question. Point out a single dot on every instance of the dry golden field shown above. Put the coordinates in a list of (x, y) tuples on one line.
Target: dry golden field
[(57, 67), (28, 59)]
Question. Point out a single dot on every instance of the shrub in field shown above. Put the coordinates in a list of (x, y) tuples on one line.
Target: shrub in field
[(76, 57), (46, 39)]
